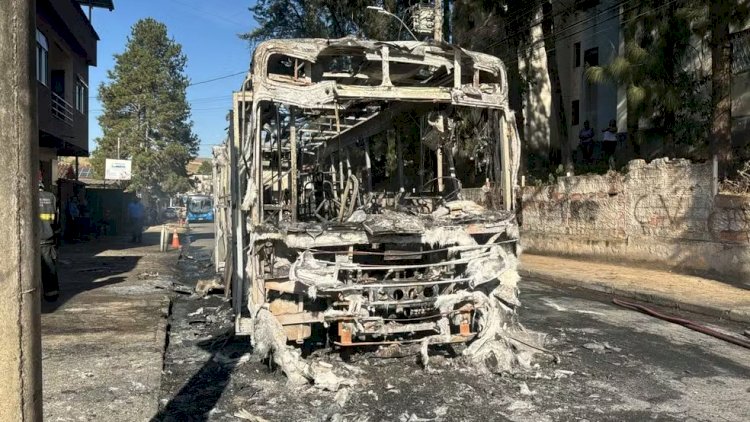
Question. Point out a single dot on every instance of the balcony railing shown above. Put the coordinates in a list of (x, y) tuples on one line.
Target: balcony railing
[(62, 109)]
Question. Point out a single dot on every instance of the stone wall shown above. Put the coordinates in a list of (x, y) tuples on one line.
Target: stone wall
[(663, 213)]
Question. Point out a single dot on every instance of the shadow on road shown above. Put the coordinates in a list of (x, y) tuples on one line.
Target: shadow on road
[(83, 266), (202, 391)]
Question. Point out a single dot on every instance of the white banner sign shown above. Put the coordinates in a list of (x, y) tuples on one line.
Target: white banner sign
[(117, 169)]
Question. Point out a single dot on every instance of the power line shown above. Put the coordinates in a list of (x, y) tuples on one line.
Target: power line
[(555, 35), (218, 78), (227, 108), (191, 110), (215, 97), (539, 22)]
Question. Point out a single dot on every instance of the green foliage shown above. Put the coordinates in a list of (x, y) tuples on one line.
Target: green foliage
[(656, 69), (662, 72), (145, 108), (205, 168), (326, 19)]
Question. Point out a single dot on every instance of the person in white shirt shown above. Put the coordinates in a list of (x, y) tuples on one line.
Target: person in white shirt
[(609, 142)]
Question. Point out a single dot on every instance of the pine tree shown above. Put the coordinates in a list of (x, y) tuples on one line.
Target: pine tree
[(146, 112)]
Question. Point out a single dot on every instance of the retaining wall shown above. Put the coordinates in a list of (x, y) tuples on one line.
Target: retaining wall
[(662, 213)]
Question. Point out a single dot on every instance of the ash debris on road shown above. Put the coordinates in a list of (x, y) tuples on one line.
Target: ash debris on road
[(462, 288), (211, 375), (614, 365)]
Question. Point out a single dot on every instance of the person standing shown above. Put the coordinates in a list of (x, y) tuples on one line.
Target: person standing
[(136, 213), (48, 244), (609, 143), (74, 214), (586, 137)]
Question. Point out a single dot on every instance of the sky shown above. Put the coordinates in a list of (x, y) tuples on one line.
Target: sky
[(208, 33)]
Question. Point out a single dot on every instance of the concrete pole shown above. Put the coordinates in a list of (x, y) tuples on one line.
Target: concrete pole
[(368, 165), (400, 161), (507, 180), (20, 339), (440, 168), (438, 28), (293, 162)]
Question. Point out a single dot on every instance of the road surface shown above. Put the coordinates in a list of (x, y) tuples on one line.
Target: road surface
[(615, 364)]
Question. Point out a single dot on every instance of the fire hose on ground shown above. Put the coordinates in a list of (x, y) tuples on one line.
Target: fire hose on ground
[(684, 322)]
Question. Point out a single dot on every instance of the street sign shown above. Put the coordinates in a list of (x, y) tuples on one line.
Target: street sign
[(117, 169)]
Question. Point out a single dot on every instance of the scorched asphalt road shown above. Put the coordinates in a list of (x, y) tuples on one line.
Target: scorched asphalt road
[(615, 364)]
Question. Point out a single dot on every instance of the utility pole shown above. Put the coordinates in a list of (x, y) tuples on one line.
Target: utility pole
[(20, 339)]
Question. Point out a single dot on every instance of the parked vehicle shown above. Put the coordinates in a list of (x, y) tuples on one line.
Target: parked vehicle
[(171, 213)]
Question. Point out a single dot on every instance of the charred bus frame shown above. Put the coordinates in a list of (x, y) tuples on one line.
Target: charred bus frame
[(307, 239)]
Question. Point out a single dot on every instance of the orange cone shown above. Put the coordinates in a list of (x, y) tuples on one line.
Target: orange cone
[(175, 239)]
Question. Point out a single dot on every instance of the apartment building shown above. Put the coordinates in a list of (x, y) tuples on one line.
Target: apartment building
[(66, 45), (590, 33)]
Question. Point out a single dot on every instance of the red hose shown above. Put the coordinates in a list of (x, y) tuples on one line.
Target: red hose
[(684, 322)]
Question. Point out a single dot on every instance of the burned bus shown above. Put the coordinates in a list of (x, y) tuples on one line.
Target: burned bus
[(341, 214)]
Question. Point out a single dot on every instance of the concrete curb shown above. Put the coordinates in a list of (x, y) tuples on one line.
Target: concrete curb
[(162, 331), (737, 315), (161, 337)]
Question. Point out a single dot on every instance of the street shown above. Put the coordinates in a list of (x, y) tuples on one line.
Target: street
[(431, 210), (103, 339), (614, 364)]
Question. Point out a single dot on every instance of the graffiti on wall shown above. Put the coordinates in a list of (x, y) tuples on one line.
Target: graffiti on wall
[(682, 208)]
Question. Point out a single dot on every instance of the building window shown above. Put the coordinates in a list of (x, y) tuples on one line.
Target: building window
[(81, 94), (741, 52), (576, 112), (42, 58), (591, 57), (577, 54)]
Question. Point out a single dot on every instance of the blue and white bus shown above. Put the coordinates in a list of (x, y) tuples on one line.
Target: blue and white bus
[(200, 208)]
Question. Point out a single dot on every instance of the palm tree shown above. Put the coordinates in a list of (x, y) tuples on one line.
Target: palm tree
[(654, 68), (666, 82)]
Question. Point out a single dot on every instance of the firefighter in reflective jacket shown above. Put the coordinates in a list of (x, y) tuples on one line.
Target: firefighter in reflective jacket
[(48, 244)]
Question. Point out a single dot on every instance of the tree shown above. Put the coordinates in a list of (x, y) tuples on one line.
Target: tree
[(205, 168), (511, 24), (146, 112), (661, 74), (558, 104), (721, 79), (722, 14), (688, 105), (325, 19)]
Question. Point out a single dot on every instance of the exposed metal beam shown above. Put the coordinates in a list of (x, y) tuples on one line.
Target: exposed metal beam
[(377, 123)]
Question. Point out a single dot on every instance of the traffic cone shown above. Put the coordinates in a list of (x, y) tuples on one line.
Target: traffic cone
[(175, 240)]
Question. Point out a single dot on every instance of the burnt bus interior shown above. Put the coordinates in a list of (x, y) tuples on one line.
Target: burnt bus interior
[(350, 227)]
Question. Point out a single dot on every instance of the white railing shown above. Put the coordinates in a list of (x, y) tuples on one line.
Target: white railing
[(62, 109)]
